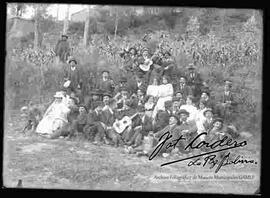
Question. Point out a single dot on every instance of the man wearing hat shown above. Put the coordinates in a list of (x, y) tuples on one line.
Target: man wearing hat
[(106, 84), (141, 128), (217, 132), (122, 85), (72, 74), (108, 113), (186, 128), (95, 96), (94, 130), (194, 80), (169, 66), (227, 104), (62, 49), (173, 128), (208, 122), (78, 124)]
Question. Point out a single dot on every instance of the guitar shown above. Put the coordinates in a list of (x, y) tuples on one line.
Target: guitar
[(120, 125), (146, 65)]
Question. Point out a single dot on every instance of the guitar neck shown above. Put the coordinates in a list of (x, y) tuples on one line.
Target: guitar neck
[(133, 116)]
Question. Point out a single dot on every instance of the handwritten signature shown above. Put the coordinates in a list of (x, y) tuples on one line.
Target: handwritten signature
[(223, 144), (214, 162)]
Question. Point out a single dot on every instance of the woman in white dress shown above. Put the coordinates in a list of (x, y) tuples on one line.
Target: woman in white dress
[(200, 118), (153, 87), (165, 93), (190, 107), (55, 116)]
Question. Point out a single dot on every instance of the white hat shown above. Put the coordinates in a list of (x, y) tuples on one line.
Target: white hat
[(59, 95), (67, 83)]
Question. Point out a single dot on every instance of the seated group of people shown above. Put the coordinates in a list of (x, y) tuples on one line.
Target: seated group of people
[(132, 114)]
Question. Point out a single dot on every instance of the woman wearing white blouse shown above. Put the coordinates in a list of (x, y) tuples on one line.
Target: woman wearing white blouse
[(190, 107), (200, 118), (165, 93), (152, 89)]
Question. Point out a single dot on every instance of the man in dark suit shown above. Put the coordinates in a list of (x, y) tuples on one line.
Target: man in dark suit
[(106, 84), (78, 124), (73, 74), (227, 105), (162, 117), (143, 127), (194, 81), (93, 97), (205, 97), (122, 85), (62, 48), (139, 83), (186, 128), (183, 88), (94, 129)]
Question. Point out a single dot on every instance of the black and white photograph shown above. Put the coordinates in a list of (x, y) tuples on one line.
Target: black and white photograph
[(133, 98)]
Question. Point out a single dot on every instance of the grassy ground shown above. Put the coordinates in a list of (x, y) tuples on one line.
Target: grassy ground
[(42, 163)]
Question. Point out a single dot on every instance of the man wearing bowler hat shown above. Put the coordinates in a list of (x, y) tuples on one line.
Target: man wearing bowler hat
[(62, 49), (72, 76), (187, 128)]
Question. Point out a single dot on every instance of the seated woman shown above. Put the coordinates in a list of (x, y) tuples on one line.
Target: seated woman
[(55, 116), (190, 107), (165, 93)]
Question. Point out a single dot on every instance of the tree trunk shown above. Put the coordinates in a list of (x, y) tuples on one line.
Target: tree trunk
[(66, 20), (116, 24), (57, 13), (37, 31), (86, 28)]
